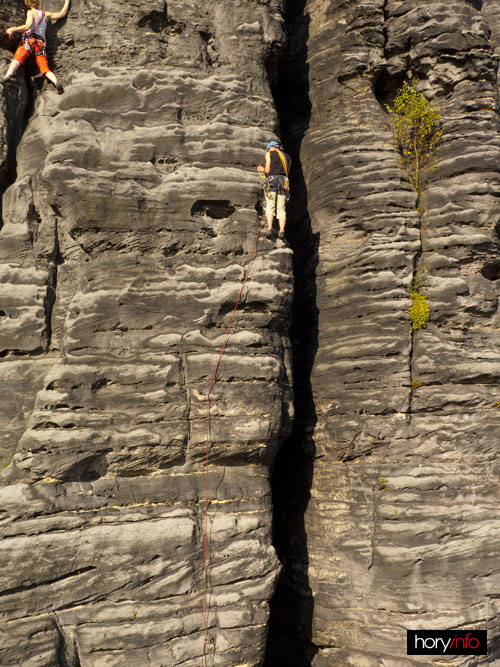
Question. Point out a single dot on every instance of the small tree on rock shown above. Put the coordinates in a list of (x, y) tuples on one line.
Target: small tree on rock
[(417, 131)]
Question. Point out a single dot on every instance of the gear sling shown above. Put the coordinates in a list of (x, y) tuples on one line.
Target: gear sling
[(33, 44), (284, 184)]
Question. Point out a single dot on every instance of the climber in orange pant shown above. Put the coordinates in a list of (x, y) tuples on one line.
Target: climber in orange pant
[(34, 40)]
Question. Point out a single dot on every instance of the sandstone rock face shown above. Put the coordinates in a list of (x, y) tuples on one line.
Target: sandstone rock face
[(130, 211), (401, 527)]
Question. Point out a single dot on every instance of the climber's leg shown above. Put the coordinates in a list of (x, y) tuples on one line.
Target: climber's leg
[(43, 66), (13, 67), (281, 212), (20, 57), (270, 208)]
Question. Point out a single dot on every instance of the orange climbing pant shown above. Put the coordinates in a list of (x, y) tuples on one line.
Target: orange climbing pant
[(22, 54)]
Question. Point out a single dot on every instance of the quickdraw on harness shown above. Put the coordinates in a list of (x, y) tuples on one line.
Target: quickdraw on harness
[(33, 42), (281, 182)]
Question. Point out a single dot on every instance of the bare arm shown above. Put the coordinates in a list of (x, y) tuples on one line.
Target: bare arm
[(55, 16), (266, 169), (22, 28)]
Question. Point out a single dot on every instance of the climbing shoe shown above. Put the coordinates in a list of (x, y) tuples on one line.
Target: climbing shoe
[(60, 89), (281, 236)]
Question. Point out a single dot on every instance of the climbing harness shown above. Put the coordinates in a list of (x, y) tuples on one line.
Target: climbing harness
[(210, 385), (277, 182), (34, 43)]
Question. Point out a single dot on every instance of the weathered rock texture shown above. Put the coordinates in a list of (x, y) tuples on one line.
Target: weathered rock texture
[(132, 210), (401, 529)]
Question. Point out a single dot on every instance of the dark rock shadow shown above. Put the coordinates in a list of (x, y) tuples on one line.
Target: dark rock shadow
[(14, 103), (289, 640)]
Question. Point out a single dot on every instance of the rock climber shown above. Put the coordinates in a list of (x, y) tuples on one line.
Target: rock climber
[(277, 190), (33, 40)]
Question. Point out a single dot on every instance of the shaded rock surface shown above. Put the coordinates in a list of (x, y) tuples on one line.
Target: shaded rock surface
[(131, 209), (387, 512)]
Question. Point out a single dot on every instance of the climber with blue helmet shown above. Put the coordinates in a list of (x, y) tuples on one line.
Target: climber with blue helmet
[(277, 188)]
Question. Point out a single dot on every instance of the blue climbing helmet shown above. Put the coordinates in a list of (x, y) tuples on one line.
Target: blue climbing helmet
[(270, 144)]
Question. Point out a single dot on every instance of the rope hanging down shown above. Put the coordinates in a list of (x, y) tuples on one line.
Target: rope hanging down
[(210, 385)]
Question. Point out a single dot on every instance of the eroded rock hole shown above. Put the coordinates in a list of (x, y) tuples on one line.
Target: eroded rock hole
[(171, 250), (161, 22), (88, 469), (99, 384), (208, 51), (386, 86), (90, 476), (169, 159), (217, 209), (491, 271)]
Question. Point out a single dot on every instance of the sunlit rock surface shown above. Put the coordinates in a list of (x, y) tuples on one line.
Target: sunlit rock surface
[(130, 211)]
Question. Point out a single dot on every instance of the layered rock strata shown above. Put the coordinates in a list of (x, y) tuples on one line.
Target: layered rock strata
[(127, 225), (129, 214), (395, 525)]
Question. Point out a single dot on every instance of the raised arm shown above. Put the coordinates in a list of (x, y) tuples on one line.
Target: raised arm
[(22, 28), (55, 16)]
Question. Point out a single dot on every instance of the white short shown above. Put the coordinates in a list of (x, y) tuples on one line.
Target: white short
[(275, 205)]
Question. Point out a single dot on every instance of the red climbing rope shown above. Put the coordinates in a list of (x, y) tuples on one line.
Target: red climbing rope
[(210, 385)]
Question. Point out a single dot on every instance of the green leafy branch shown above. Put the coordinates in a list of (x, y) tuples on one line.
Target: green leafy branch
[(417, 130)]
